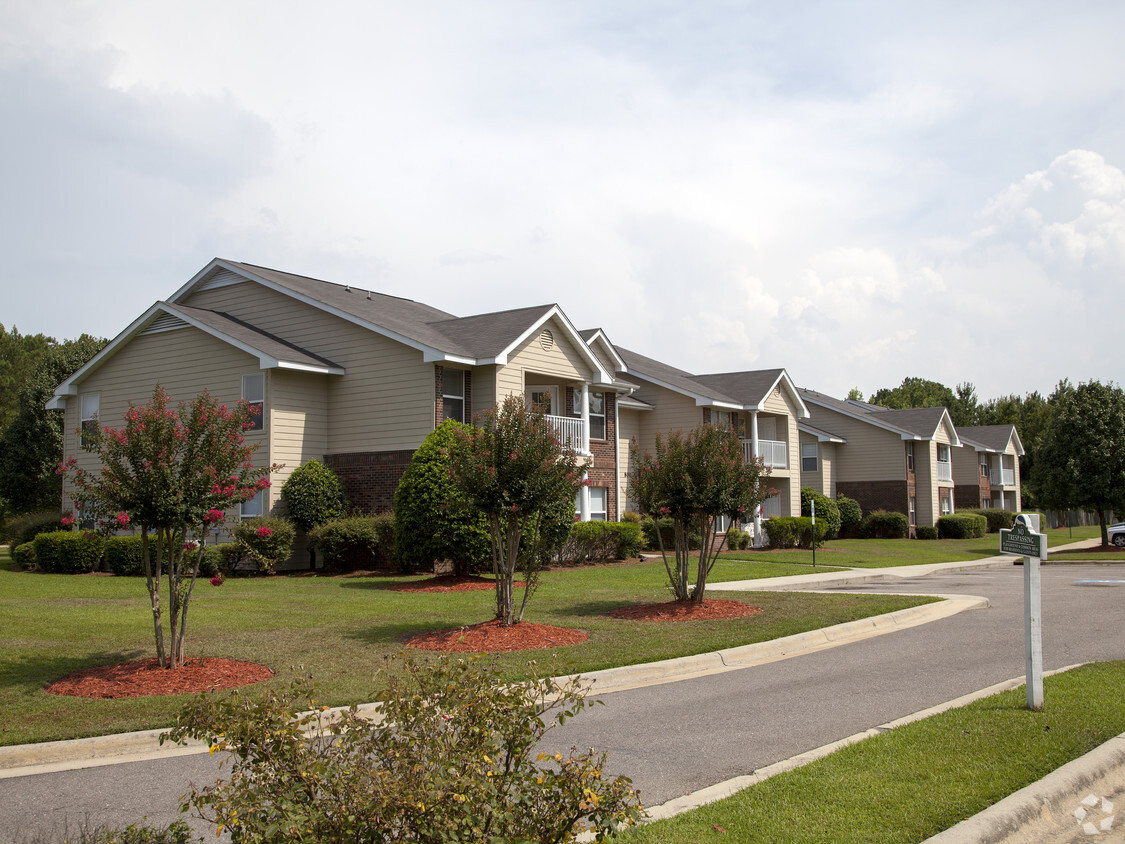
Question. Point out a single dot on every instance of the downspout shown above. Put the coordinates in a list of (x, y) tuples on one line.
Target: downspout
[(584, 493)]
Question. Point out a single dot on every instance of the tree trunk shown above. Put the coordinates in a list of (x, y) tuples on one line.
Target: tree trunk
[(153, 584)]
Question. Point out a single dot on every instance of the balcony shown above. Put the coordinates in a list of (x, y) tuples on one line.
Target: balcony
[(1008, 477), (944, 471), (774, 454), (569, 430)]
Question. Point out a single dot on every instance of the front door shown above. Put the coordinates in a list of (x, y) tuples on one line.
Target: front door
[(546, 396)]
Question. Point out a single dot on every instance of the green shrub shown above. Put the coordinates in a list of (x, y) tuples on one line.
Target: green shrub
[(472, 774), (432, 518), (794, 531), (851, 514), (385, 531), (348, 543), (996, 518), (68, 552), (264, 541), (826, 509), (631, 517), (882, 524), (123, 555), (737, 539), (600, 541), (651, 543), (925, 532), (24, 555), (25, 528), (962, 526), (47, 551), (313, 495)]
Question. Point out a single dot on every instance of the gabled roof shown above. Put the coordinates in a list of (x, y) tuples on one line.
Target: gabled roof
[(918, 423), (734, 390), (597, 335), (993, 438), (821, 435), (271, 351)]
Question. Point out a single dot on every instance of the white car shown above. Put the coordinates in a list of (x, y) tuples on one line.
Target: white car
[(1117, 534)]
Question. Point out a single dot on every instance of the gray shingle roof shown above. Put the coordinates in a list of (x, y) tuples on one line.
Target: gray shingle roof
[(990, 437), (749, 388), (678, 379), (919, 422), (487, 335)]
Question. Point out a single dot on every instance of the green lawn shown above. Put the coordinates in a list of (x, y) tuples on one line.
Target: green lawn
[(914, 781), (339, 629), (881, 553)]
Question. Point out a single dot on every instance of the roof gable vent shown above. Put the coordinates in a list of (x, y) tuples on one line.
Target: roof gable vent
[(546, 340), (164, 322), (220, 278)]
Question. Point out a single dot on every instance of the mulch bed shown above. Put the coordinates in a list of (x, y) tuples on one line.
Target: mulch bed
[(448, 583), (494, 637), (145, 677), (711, 610)]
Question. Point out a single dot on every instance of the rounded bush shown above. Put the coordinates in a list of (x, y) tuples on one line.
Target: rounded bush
[(349, 541), (123, 556), (265, 541), (313, 495), (432, 520), (794, 531), (925, 532), (881, 524), (962, 526), (24, 555), (995, 518), (826, 509), (851, 514), (68, 552)]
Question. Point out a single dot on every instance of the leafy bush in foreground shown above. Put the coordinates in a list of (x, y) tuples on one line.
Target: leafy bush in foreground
[(453, 761), (851, 514), (882, 524), (826, 509), (961, 526)]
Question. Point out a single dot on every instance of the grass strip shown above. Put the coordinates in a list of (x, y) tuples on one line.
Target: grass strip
[(920, 778), (338, 631)]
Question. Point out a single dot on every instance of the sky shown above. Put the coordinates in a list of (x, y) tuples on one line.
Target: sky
[(858, 192)]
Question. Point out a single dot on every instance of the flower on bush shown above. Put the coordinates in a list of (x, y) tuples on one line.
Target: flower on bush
[(214, 517), (190, 545), (217, 580), (263, 532), (67, 520), (123, 519)]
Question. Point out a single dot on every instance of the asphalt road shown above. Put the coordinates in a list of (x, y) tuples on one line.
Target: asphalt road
[(675, 738)]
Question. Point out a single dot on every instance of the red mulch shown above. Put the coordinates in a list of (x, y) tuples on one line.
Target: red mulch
[(493, 637), (686, 611), (448, 583), (145, 677)]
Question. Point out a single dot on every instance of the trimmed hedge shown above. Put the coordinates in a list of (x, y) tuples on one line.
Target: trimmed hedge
[(348, 543), (851, 514), (68, 552), (794, 531), (826, 509), (962, 526), (265, 541), (600, 541), (882, 524), (24, 555), (123, 555), (925, 532), (25, 528), (997, 519)]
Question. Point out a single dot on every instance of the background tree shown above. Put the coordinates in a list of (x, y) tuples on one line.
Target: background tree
[(919, 392), (19, 357), (694, 479), (433, 520), (171, 473), (313, 494), (1081, 459), (513, 469), (32, 444)]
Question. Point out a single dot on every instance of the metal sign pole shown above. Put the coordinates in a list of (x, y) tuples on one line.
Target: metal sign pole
[(1033, 633), (812, 503)]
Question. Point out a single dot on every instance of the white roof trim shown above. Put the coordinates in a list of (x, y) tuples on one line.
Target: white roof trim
[(791, 388), (599, 334), (601, 375)]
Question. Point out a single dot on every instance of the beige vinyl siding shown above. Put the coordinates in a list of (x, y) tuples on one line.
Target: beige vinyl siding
[(816, 480), (184, 361), (779, 405), (384, 402), (826, 459), (530, 363), (966, 465), (598, 348), (484, 388), (925, 473), (672, 412), (628, 426), (871, 453), (298, 416)]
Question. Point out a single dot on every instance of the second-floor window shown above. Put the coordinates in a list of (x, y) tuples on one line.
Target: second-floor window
[(808, 457), (254, 391), (453, 400), (90, 404), (910, 457), (597, 416)]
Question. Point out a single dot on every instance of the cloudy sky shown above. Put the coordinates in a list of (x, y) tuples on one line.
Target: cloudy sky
[(856, 191)]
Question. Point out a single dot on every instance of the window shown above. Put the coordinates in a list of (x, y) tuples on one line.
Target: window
[(985, 504), (597, 416), (254, 392), (546, 398), (722, 419), (256, 506), (946, 502), (913, 510), (944, 470), (453, 400), (722, 524), (808, 457), (599, 498), (910, 457), (90, 403), (984, 470), (942, 453)]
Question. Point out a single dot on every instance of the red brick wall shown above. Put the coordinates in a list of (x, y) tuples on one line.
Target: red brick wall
[(878, 495), (603, 466), (370, 478)]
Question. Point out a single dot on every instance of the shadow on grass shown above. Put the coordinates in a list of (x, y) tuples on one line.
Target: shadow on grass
[(41, 671), (591, 608), (398, 633)]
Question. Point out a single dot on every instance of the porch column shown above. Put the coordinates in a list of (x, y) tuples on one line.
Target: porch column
[(584, 498), (754, 453), (585, 404)]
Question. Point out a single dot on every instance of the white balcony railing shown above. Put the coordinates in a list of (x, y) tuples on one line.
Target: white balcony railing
[(774, 454), (944, 471), (1009, 477), (569, 429)]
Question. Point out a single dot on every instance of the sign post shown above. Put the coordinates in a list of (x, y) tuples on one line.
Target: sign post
[(812, 504), (1032, 546)]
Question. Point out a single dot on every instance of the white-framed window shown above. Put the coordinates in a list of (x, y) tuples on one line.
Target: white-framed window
[(942, 453), (984, 470), (453, 400), (985, 504), (910, 457), (597, 416), (254, 392), (808, 457), (89, 406), (722, 524), (722, 419), (944, 469), (913, 510), (545, 397), (946, 502), (599, 502), (256, 506)]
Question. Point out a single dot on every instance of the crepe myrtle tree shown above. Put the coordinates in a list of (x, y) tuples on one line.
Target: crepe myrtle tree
[(513, 468), (171, 473), (693, 479)]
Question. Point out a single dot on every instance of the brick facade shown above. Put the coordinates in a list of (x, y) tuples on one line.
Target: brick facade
[(370, 478), (603, 466), (439, 395), (969, 496), (878, 495)]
